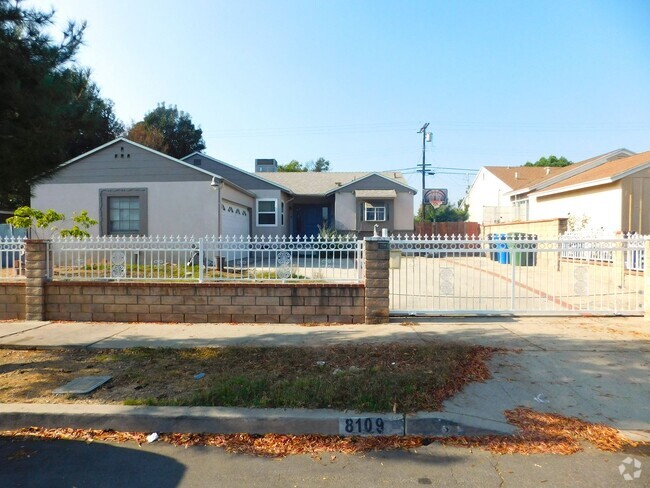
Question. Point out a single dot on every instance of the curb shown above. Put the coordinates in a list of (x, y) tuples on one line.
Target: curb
[(225, 420)]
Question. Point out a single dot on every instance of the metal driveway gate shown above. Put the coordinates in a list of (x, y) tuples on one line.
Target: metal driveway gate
[(516, 274)]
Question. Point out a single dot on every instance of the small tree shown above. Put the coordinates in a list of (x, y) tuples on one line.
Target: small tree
[(444, 213), (42, 223), (294, 166)]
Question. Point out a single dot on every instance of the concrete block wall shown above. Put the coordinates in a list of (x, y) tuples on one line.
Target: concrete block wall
[(543, 229), (213, 302), (377, 275), (12, 301)]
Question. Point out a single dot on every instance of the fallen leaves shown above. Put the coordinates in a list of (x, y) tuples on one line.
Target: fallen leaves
[(538, 433), (269, 445), (549, 433)]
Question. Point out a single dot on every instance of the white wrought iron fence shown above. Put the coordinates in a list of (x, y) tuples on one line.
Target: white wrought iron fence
[(282, 259), (12, 256), (585, 245), (516, 274)]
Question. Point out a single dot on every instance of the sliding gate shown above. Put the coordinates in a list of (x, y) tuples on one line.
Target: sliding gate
[(516, 274)]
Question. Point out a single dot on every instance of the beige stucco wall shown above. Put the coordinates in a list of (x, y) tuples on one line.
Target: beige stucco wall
[(400, 215), (543, 229), (636, 203), (486, 191), (174, 208), (345, 211), (602, 204), (403, 213), (232, 194)]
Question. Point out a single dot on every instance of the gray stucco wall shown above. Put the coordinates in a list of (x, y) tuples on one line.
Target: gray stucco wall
[(277, 229), (348, 213), (123, 162)]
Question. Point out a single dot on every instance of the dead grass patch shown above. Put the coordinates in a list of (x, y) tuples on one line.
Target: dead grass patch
[(386, 377)]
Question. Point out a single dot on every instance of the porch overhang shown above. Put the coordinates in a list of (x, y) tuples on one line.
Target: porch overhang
[(377, 194)]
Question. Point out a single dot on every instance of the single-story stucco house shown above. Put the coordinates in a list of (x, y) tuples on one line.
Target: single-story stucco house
[(134, 190)]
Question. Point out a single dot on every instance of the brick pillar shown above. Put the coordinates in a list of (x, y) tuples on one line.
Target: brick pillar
[(377, 254), (646, 280), (36, 275)]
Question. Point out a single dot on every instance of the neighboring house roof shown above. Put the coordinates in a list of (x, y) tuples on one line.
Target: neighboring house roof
[(323, 183), (602, 174), (211, 160), (525, 179), (559, 174), (517, 177)]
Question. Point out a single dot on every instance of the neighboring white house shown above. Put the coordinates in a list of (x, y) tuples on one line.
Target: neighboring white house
[(134, 190), (614, 196), (608, 190)]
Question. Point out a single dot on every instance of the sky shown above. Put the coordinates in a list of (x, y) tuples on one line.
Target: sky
[(499, 82)]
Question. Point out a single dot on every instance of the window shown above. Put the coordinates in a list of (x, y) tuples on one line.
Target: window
[(124, 215), (375, 211), (123, 212), (266, 213)]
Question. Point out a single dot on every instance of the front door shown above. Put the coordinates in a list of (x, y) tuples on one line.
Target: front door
[(307, 218)]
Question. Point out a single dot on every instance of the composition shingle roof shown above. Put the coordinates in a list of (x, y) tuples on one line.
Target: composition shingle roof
[(609, 170), (313, 183), (520, 177), (517, 177)]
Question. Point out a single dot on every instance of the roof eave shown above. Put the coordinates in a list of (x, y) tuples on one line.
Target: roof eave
[(577, 186), (335, 189), (128, 141), (283, 188)]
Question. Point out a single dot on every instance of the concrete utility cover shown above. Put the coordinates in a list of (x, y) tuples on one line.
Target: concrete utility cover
[(82, 385)]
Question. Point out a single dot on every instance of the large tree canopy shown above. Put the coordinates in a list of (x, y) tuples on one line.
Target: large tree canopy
[(294, 166), (168, 130), (550, 161), (50, 110)]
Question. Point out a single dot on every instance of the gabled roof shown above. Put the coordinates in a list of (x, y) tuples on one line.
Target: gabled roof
[(517, 177), (524, 179), (602, 174), (127, 141), (324, 183), (254, 175), (568, 171)]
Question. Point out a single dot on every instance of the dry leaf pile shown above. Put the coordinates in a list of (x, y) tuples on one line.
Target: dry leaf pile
[(549, 433)]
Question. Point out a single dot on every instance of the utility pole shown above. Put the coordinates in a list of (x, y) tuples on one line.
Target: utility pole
[(426, 137)]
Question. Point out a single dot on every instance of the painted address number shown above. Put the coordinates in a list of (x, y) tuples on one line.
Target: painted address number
[(362, 426)]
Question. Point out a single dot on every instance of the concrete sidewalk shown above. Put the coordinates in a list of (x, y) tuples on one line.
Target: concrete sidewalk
[(592, 367)]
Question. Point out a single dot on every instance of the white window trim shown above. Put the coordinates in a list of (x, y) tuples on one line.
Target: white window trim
[(367, 205), (282, 213), (257, 211)]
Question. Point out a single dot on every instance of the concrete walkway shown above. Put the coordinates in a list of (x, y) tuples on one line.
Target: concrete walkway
[(595, 368)]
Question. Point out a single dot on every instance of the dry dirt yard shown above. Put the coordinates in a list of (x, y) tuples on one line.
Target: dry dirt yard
[(388, 377)]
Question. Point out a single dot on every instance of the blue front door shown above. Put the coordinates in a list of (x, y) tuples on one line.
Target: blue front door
[(307, 218)]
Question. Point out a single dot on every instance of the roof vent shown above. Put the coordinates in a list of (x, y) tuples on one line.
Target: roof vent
[(338, 183), (516, 175), (548, 170)]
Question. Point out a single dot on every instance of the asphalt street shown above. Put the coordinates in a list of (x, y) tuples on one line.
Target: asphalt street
[(33, 463)]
